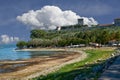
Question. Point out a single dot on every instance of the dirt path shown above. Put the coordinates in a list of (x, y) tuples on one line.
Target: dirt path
[(26, 69)]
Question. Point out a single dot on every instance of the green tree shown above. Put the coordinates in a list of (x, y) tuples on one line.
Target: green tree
[(21, 44), (37, 34), (117, 35), (104, 36)]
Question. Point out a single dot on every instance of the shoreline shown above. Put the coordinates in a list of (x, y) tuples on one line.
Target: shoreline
[(42, 49), (43, 66), (57, 67)]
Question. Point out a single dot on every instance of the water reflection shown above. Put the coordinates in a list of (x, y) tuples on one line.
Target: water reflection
[(44, 53), (8, 53)]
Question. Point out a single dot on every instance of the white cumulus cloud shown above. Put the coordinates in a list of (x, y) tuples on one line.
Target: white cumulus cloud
[(49, 17), (8, 39), (89, 21)]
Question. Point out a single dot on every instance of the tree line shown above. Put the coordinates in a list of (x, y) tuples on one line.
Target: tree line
[(42, 38)]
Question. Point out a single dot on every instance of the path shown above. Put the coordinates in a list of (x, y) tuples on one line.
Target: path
[(113, 72)]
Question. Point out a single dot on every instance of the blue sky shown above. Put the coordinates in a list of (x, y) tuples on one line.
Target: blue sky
[(104, 11)]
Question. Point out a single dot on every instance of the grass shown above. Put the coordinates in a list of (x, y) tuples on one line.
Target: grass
[(85, 67)]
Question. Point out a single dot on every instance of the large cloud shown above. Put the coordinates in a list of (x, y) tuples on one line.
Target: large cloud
[(8, 39), (49, 17)]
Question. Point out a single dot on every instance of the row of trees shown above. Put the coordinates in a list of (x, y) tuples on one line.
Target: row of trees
[(41, 38), (99, 36), (49, 43)]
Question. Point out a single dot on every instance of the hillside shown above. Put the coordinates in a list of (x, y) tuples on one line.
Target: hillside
[(70, 36)]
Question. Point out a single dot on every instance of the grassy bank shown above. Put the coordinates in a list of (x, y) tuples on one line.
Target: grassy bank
[(85, 67)]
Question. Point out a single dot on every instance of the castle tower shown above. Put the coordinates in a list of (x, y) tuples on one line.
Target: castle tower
[(80, 22), (117, 22)]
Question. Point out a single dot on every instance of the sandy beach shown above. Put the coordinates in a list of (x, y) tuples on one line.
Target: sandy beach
[(30, 68)]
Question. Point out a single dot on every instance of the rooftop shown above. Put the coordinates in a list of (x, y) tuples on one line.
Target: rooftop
[(105, 25), (117, 18)]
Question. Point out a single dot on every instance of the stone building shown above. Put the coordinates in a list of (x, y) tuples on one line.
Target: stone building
[(117, 22), (80, 22)]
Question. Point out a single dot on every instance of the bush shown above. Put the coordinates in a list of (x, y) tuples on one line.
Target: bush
[(21, 44)]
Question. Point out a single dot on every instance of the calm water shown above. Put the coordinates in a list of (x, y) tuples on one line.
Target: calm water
[(7, 52)]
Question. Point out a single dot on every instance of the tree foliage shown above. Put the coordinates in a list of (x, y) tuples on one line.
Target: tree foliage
[(37, 33), (21, 44), (42, 38)]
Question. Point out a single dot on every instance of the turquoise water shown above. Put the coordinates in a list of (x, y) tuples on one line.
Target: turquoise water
[(7, 52)]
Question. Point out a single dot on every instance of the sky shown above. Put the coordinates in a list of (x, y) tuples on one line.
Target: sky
[(13, 29)]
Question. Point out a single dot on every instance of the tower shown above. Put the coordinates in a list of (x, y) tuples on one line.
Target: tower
[(117, 22), (80, 22)]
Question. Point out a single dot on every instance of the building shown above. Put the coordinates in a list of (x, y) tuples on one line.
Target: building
[(58, 28), (117, 22), (80, 22), (105, 25)]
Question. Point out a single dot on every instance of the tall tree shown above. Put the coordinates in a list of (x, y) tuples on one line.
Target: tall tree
[(37, 34)]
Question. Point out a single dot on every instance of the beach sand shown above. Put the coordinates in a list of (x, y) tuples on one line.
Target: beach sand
[(30, 68)]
